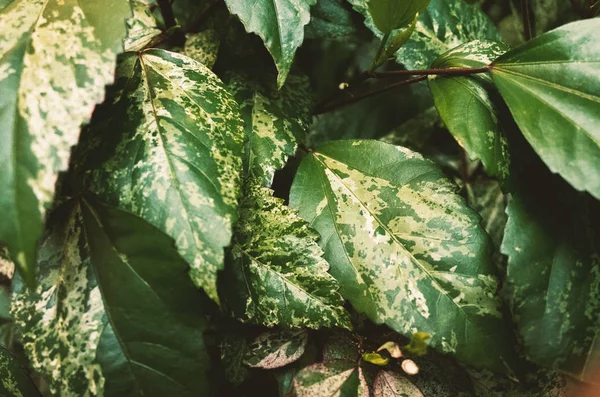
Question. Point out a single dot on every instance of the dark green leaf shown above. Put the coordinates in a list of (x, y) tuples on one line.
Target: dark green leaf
[(552, 87), (466, 107), (274, 349), (114, 312), (174, 155), (56, 56), (277, 275), (233, 347), (333, 20), (390, 15), (279, 23), (14, 382), (405, 248)]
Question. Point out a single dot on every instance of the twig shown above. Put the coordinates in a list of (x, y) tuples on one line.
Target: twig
[(167, 12), (526, 15), (429, 72)]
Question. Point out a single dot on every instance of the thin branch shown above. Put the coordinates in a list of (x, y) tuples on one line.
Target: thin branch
[(167, 13), (350, 98), (429, 72), (526, 15)]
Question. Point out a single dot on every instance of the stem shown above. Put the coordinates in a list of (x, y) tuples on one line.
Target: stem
[(167, 12), (329, 106), (428, 72), (526, 15), (376, 62)]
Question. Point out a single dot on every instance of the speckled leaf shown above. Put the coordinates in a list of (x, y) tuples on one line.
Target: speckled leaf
[(280, 25), (444, 25), (393, 384), (553, 249), (203, 47), (114, 312), (274, 349), (276, 274), (174, 157), (552, 87), (405, 248), (274, 120), (541, 383), (338, 378), (142, 27), (233, 347), (390, 15), (13, 380), (56, 57), (332, 20), (466, 108)]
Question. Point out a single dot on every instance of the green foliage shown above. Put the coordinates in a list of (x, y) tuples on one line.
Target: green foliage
[(236, 198)]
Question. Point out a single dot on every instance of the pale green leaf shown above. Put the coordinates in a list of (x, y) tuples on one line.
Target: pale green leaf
[(274, 120), (465, 105), (173, 156), (393, 384), (337, 378), (14, 381), (142, 28), (277, 275), (114, 312), (389, 15), (279, 23), (552, 87), (277, 348), (56, 57), (405, 248), (203, 47), (444, 25)]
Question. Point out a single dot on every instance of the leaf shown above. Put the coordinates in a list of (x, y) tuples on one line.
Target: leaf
[(375, 358), (142, 28), (444, 25), (392, 384), (274, 349), (114, 312), (56, 56), (417, 344), (338, 378), (553, 278), (7, 266), (13, 380), (233, 347), (465, 105), (277, 275), (279, 23), (540, 383), (174, 155), (274, 120), (551, 86), (332, 20), (203, 47), (404, 247), (389, 15)]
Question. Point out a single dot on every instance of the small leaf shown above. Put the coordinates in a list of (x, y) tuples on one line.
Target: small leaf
[(276, 274), (393, 348), (334, 378), (390, 15), (418, 343), (142, 28), (552, 87), (233, 347), (279, 23), (14, 381), (404, 247), (375, 358), (392, 384), (203, 47), (276, 349)]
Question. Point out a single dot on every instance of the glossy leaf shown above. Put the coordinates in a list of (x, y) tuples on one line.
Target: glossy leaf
[(277, 275), (466, 108), (56, 57), (444, 25), (114, 312), (393, 384), (279, 23), (337, 378), (405, 248), (274, 121), (14, 381), (389, 15), (552, 87), (142, 28), (174, 155), (276, 349)]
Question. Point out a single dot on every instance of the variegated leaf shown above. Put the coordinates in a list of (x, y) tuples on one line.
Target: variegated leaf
[(203, 47), (277, 348), (279, 23), (14, 381), (444, 25), (276, 274), (143, 26), (466, 106), (114, 312), (56, 56), (405, 248), (274, 120), (233, 347), (338, 378), (173, 156), (393, 384)]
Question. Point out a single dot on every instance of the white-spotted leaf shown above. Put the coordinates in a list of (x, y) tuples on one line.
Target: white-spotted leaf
[(275, 349)]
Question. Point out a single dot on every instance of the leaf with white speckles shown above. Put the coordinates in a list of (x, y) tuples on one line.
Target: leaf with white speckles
[(444, 25), (393, 384), (465, 105), (174, 156), (142, 27), (279, 23), (276, 274), (405, 248), (203, 47), (277, 348), (274, 120), (56, 57), (106, 279), (13, 380), (337, 378)]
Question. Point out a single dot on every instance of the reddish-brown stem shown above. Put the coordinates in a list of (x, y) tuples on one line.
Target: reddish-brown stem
[(429, 72)]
